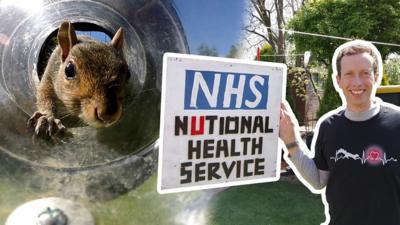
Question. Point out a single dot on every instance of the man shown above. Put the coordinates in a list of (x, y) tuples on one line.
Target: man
[(357, 146)]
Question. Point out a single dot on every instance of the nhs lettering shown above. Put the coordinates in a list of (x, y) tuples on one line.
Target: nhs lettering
[(222, 90)]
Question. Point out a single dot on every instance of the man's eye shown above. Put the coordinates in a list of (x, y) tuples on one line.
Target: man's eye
[(367, 73)]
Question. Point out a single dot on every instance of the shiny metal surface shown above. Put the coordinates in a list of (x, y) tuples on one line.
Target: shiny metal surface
[(51, 211), (52, 216), (98, 164)]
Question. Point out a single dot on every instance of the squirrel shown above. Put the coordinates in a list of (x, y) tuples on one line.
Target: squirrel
[(84, 78)]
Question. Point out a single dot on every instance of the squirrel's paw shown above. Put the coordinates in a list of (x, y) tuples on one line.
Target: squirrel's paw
[(45, 125)]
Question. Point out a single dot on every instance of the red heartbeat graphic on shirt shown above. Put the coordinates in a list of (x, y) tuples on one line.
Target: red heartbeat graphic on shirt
[(373, 155)]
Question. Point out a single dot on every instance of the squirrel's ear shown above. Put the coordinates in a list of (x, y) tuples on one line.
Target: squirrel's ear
[(118, 39), (66, 38)]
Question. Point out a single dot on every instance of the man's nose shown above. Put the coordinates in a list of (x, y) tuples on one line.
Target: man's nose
[(357, 80)]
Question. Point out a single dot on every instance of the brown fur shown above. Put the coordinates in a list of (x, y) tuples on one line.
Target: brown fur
[(96, 92)]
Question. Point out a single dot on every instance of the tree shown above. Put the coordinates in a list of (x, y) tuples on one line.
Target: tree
[(233, 52), (267, 54), (371, 20), (266, 22), (204, 49), (391, 69)]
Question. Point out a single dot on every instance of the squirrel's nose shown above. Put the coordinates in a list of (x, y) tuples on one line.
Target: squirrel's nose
[(107, 114)]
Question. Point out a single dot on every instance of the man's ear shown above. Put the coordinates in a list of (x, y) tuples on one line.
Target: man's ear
[(118, 39), (338, 80), (66, 38)]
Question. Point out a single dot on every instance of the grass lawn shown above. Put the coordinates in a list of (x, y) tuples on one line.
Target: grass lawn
[(278, 203)]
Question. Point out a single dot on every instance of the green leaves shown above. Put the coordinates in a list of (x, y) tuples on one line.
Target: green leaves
[(366, 19), (371, 20)]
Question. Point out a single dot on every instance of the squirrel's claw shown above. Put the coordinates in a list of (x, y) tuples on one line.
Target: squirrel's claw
[(45, 125), (34, 118), (55, 126), (41, 125)]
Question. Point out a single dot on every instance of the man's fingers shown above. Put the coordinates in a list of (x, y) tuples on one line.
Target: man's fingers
[(282, 114), (283, 106), (287, 109), (286, 115)]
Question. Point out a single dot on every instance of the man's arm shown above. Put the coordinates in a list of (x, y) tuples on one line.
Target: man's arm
[(309, 171), (290, 135)]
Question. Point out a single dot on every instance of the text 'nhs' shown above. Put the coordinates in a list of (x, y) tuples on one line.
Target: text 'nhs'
[(220, 90)]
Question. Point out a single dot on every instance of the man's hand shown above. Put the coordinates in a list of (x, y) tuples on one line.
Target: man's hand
[(288, 131)]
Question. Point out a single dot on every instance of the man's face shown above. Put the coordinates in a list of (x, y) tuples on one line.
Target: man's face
[(356, 80)]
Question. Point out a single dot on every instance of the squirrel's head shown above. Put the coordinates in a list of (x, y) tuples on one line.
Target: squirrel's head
[(92, 77)]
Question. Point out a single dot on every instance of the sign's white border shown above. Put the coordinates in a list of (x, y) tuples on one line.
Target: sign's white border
[(163, 100)]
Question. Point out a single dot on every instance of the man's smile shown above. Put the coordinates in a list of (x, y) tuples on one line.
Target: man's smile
[(357, 92)]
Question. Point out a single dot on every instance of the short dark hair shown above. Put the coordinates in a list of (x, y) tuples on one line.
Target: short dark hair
[(354, 50)]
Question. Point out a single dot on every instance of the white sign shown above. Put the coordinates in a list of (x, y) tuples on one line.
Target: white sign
[(219, 122)]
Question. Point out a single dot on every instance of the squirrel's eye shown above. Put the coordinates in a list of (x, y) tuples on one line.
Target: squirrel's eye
[(70, 71)]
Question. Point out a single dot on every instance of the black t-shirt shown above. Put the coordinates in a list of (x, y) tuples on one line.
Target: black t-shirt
[(363, 159)]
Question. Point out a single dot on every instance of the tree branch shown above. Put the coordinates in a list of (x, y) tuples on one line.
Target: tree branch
[(258, 34)]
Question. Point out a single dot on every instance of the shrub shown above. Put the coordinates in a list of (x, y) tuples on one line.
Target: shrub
[(331, 99)]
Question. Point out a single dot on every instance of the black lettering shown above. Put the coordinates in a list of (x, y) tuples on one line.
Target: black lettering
[(267, 129), (186, 172), (228, 170), (208, 147), (235, 122), (246, 163), (245, 141), (194, 149), (259, 166), (245, 125), (181, 125), (212, 171), (258, 124), (199, 173), (255, 145), (222, 146), (238, 168), (233, 148), (211, 120), (221, 125)]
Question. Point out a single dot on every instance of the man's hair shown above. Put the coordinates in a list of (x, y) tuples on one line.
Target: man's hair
[(355, 49)]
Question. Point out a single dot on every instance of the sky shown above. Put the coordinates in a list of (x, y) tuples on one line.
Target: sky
[(215, 23)]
